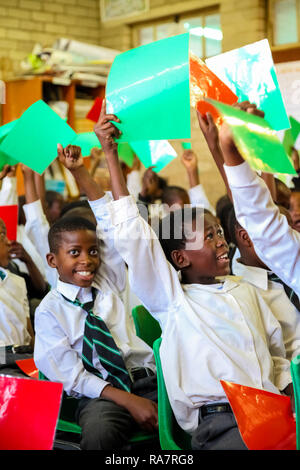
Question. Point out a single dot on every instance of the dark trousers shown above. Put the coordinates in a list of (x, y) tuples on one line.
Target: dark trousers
[(106, 425), (217, 431)]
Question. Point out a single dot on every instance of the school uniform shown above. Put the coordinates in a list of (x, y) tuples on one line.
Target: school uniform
[(275, 297), (58, 353), (275, 242), (225, 331)]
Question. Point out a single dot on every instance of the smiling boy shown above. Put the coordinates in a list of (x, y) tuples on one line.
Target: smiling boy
[(84, 338)]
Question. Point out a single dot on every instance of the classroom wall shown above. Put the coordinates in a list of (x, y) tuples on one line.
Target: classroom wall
[(25, 22)]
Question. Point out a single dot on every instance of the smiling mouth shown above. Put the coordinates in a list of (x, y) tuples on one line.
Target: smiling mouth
[(223, 257), (86, 275)]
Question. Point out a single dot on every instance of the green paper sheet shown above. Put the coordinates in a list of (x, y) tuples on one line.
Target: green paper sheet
[(186, 145), (4, 131), (126, 153), (295, 127), (148, 89), (34, 138), (154, 152), (257, 142), (86, 140), (250, 73), (288, 141)]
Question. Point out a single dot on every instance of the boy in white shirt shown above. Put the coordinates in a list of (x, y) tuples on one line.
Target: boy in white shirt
[(117, 393), (212, 329)]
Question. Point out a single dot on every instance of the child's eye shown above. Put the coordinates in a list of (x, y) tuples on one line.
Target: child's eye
[(74, 252), (209, 236), (220, 232), (94, 252)]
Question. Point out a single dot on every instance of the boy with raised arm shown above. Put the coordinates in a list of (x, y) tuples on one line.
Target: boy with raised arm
[(84, 338), (212, 328)]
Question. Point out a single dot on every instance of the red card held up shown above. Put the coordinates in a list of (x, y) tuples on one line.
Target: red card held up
[(94, 112), (265, 419), (29, 413), (9, 215), (28, 367), (205, 84)]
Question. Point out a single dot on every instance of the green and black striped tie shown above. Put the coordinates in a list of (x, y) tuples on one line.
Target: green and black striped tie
[(288, 290), (97, 334)]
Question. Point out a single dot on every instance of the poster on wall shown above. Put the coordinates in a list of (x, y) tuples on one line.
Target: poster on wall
[(116, 9)]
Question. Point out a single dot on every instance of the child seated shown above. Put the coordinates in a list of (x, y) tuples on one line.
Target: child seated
[(212, 329), (84, 338), (15, 324)]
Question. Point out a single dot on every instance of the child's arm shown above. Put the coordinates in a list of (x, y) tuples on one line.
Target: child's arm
[(196, 191), (276, 244), (37, 226), (152, 278), (112, 267)]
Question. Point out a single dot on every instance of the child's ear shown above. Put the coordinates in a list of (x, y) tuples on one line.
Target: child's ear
[(51, 260), (180, 259), (244, 237)]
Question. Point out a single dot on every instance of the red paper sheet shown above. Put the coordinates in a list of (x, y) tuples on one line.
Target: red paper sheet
[(28, 366), (265, 419), (94, 112), (205, 84), (29, 413), (9, 214)]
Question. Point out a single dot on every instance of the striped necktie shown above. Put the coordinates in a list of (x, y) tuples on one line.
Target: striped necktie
[(96, 334), (288, 290)]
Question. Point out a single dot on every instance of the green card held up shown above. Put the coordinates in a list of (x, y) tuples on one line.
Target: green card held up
[(126, 153), (4, 131), (295, 127), (158, 153), (86, 140), (250, 73), (256, 141), (186, 145), (148, 89), (34, 138)]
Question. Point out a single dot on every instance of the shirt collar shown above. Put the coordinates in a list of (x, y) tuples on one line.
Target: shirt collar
[(229, 282), (252, 274), (70, 291)]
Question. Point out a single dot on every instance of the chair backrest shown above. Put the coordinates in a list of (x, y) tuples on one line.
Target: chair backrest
[(147, 328), (295, 372), (171, 436)]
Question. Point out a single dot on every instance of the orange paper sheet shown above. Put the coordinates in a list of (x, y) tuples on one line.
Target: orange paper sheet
[(28, 366), (265, 419)]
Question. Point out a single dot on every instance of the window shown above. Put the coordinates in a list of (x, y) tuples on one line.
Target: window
[(205, 32), (285, 16)]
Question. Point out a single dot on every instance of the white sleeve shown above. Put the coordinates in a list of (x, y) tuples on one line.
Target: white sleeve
[(275, 242), (151, 277), (59, 362), (37, 228), (112, 267), (8, 193), (134, 183), (282, 373), (198, 198)]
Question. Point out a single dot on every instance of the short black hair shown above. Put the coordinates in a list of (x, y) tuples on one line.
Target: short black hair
[(172, 192), (232, 225), (171, 233), (52, 196), (67, 224), (74, 205)]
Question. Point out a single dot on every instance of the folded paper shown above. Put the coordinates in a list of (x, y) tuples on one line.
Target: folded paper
[(148, 89), (158, 153), (28, 367), (265, 419), (9, 215), (29, 413), (250, 73), (256, 141), (34, 138)]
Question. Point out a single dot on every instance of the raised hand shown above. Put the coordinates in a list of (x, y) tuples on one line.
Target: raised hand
[(5, 171), (106, 131), (70, 156), (209, 130), (189, 160)]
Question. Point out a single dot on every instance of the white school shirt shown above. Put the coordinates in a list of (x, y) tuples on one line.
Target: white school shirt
[(275, 297), (14, 310), (275, 242), (208, 333)]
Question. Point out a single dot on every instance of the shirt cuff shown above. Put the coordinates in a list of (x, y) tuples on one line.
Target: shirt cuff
[(94, 386), (240, 175), (122, 210), (99, 205), (33, 210)]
